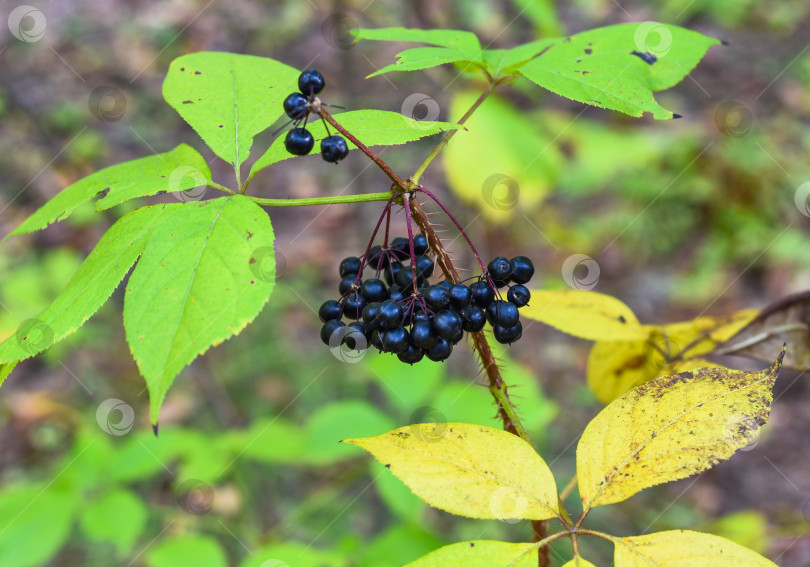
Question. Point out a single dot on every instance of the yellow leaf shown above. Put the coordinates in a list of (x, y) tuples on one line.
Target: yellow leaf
[(480, 553), (586, 314), (579, 562), (615, 367), (469, 470), (670, 428), (682, 548)]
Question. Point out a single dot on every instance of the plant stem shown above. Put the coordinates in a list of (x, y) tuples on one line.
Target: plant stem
[(218, 187), (396, 179), (333, 200), (446, 138)]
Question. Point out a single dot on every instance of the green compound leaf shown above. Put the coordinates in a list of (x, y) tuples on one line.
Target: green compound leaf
[(480, 553), (204, 274), (452, 46), (619, 67), (178, 170), (90, 287), (371, 127), (228, 98)]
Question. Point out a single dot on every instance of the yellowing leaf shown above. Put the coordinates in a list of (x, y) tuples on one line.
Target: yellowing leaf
[(671, 428), (683, 548), (579, 562), (469, 470), (615, 367), (585, 314), (480, 553)]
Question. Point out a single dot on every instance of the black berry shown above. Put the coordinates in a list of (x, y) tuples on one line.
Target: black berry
[(374, 290), (420, 244), (473, 319), (346, 283), (329, 310), (311, 82), (424, 266), (482, 294), (371, 314), (354, 306), (522, 269), (395, 340), (299, 141), (499, 269), (519, 295), (437, 298), (447, 324), (295, 106), (441, 351), (356, 338), (502, 313), (329, 328), (350, 265), (392, 271), (376, 257), (460, 296), (423, 336), (507, 335), (412, 355), (395, 293), (334, 149), (390, 314)]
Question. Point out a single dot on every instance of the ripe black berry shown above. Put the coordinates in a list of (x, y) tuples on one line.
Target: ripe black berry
[(424, 266), (347, 283), (445, 284), (329, 310), (330, 327), (401, 247), (482, 294), (299, 141), (390, 314), (311, 82), (391, 272), (295, 106), (420, 244), (395, 340), (334, 149), (507, 335), (519, 295), (423, 336), (357, 337), (405, 279), (447, 324), (437, 298), (350, 265), (374, 290), (355, 304), (441, 351), (460, 296), (395, 293), (522, 269), (502, 313), (412, 355), (371, 314), (499, 269), (473, 319)]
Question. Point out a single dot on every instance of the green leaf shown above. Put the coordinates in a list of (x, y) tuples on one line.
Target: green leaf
[(371, 127), (480, 553), (199, 551), (180, 169), (293, 554), (197, 284), (619, 67), (337, 421), (502, 164), (504, 61), (272, 440), (397, 545), (453, 46), (469, 470), (228, 98), (90, 287), (118, 517), (35, 522)]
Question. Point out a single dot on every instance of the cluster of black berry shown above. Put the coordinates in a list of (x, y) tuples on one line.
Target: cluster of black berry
[(414, 319), (297, 105)]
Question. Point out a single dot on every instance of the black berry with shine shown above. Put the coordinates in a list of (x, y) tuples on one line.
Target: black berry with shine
[(295, 106), (350, 265), (390, 314), (395, 340), (299, 141), (423, 336), (519, 295), (371, 315), (473, 319), (356, 338), (437, 298), (329, 328), (499, 269), (482, 294), (502, 313), (447, 324), (334, 149), (507, 335), (329, 310), (311, 82), (374, 290), (392, 271), (354, 306), (460, 296), (412, 355), (420, 244), (376, 257), (522, 269), (441, 351), (346, 283), (424, 266), (395, 293)]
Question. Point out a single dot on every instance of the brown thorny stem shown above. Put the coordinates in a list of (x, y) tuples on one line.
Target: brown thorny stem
[(497, 387)]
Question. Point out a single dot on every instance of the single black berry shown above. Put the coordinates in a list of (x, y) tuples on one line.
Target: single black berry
[(355, 304), (376, 339), (519, 295), (445, 284), (460, 296), (334, 149), (357, 337), (482, 294), (522, 269), (329, 328), (420, 244), (499, 269), (423, 335), (395, 340), (418, 316), (329, 310), (441, 351), (405, 278), (401, 247), (299, 141), (311, 82), (392, 271), (507, 335), (437, 298), (376, 257), (371, 314), (295, 106), (374, 290), (395, 293), (412, 355), (502, 313), (390, 314), (473, 319), (347, 283), (350, 265), (447, 324), (424, 266)]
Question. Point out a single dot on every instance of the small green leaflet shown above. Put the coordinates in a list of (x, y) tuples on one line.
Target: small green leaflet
[(618, 67), (90, 287), (371, 127), (228, 98), (178, 170), (204, 274)]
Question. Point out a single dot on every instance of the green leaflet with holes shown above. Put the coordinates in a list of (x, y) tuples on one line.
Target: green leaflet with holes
[(204, 274), (228, 98), (619, 67), (90, 287), (371, 127), (178, 170)]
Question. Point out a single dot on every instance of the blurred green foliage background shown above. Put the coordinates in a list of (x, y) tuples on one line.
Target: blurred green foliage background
[(702, 214)]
